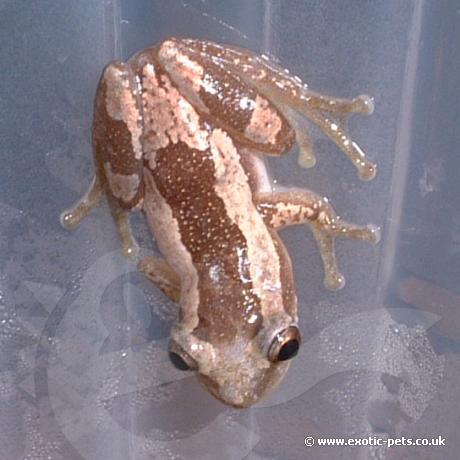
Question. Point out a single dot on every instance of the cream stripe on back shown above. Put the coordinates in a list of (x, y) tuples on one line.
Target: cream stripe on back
[(233, 189), (167, 235)]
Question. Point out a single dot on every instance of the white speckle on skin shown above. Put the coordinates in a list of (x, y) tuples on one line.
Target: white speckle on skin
[(246, 103), (252, 319), (209, 86)]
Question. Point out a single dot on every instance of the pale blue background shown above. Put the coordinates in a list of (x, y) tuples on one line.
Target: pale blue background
[(83, 368)]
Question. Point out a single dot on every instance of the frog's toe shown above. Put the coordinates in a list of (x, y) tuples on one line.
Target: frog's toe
[(130, 249), (374, 233), (69, 220), (365, 104), (366, 170), (334, 281)]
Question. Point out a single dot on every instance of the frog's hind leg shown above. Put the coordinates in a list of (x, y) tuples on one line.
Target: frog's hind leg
[(305, 207), (290, 94), (117, 142), (117, 145), (162, 275)]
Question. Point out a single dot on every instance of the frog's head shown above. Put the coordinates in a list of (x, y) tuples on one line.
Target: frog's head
[(239, 369)]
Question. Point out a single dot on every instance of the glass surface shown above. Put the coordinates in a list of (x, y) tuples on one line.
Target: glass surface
[(84, 372)]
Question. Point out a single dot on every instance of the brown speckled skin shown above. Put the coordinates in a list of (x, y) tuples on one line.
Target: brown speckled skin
[(179, 132)]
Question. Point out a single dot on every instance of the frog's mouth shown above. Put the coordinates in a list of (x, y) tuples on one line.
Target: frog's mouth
[(240, 397), (213, 388)]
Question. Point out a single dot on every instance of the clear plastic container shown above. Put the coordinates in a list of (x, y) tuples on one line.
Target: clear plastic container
[(84, 372)]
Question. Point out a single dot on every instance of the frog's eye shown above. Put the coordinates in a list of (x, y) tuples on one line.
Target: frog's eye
[(285, 345), (181, 359)]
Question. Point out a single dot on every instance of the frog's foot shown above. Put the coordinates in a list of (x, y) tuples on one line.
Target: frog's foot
[(289, 92), (71, 218), (336, 130), (326, 229), (315, 109), (129, 246), (307, 158), (162, 275), (320, 110), (300, 207)]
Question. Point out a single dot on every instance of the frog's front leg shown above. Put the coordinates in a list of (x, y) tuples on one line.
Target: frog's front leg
[(162, 275), (73, 216), (305, 207), (117, 144)]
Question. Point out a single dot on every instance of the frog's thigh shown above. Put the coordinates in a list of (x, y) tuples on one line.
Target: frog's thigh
[(305, 207), (162, 275), (117, 132)]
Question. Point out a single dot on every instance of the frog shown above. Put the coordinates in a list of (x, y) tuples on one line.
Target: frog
[(180, 133)]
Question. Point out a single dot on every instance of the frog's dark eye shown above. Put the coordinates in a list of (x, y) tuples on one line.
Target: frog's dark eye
[(285, 345), (180, 359)]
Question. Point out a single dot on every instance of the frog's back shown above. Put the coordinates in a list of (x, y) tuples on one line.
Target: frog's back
[(190, 160), (216, 240)]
